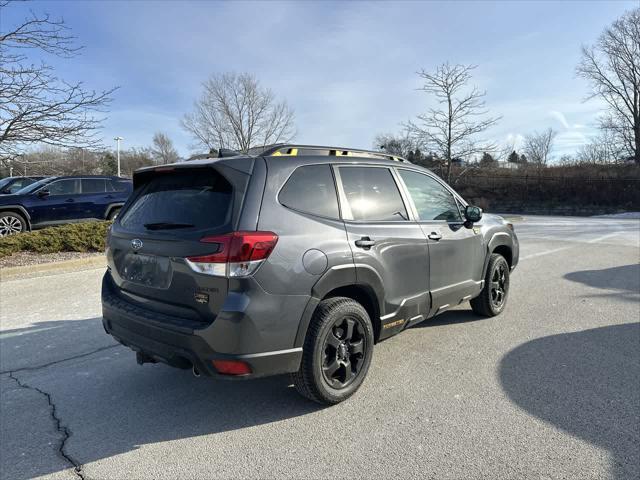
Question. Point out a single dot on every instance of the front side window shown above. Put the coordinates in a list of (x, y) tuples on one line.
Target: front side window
[(432, 200), (64, 187), (310, 189), (93, 185), (371, 194)]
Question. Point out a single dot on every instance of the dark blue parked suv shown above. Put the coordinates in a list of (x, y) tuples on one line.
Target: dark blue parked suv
[(58, 200)]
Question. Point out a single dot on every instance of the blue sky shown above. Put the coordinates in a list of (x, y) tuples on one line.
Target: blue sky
[(346, 68)]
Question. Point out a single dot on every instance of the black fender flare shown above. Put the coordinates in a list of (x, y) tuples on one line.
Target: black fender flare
[(498, 239), (23, 211), (111, 206), (348, 275)]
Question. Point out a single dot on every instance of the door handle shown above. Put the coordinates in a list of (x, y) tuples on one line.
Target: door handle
[(69, 200), (435, 236), (365, 242)]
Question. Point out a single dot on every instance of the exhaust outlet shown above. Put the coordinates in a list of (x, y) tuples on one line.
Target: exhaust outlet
[(196, 373)]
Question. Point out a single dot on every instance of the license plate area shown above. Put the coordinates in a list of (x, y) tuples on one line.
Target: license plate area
[(147, 270)]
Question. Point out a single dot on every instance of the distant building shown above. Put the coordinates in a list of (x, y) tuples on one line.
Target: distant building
[(509, 165)]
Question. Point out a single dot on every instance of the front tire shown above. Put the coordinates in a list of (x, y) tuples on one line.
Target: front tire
[(493, 297), (337, 352), (11, 223)]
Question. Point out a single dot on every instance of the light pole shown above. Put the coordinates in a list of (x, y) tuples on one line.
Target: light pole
[(117, 139)]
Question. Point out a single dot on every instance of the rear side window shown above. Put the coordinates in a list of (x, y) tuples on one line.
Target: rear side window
[(200, 200), (372, 194), (311, 189), (93, 185), (118, 186), (64, 187)]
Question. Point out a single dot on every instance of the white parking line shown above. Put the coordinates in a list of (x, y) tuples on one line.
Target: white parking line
[(554, 250), (546, 252), (29, 331), (603, 237)]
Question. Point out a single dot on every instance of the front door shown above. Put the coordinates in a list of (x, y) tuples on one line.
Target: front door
[(60, 205), (455, 251), (388, 248)]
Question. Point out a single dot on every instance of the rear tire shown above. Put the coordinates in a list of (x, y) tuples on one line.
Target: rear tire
[(337, 352), (493, 297), (11, 223)]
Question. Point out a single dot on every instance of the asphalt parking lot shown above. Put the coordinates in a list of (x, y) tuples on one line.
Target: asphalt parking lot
[(549, 389)]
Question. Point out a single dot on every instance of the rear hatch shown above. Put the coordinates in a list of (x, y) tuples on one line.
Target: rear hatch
[(162, 224)]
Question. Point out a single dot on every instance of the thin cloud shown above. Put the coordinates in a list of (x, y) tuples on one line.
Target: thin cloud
[(559, 116)]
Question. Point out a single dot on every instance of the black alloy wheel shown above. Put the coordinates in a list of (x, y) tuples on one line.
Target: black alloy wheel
[(344, 352)]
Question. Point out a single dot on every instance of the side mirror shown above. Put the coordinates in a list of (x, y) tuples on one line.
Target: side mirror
[(472, 214), (43, 193)]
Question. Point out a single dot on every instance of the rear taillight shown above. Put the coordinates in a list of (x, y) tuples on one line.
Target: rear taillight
[(232, 367), (239, 254)]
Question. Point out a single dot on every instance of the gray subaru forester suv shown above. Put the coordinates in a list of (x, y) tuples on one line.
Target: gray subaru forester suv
[(294, 259)]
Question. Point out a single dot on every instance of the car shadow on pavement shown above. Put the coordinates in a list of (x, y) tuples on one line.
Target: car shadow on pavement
[(625, 279), (113, 406), (585, 383)]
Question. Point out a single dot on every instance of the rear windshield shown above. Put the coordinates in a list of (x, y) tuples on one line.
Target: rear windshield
[(181, 200)]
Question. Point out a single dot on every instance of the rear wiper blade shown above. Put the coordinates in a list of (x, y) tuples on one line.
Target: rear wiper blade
[(166, 225)]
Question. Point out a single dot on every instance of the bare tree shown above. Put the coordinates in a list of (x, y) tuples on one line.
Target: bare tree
[(538, 145), (35, 105), (163, 151), (612, 67), (602, 149), (451, 130), (401, 145), (133, 159), (235, 112)]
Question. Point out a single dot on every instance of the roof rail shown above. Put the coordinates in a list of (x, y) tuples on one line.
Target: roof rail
[(292, 150)]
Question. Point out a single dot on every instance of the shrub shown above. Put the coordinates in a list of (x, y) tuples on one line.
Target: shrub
[(74, 237)]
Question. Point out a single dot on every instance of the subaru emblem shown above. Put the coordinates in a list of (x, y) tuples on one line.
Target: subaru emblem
[(136, 244)]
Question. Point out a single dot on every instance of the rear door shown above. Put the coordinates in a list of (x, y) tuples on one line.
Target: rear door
[(455, 252), (387, 245), (94, 199), (169, 213)]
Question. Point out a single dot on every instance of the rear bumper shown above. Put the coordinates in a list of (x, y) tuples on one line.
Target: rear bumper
[(181, 346)]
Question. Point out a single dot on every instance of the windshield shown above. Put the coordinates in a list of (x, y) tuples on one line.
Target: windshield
[(34, 186), (5, 181)]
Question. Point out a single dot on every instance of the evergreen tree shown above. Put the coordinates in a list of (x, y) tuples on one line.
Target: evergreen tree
[(487, 160), (109, 164)]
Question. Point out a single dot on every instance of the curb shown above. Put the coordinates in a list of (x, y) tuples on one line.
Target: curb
[(52, 268)]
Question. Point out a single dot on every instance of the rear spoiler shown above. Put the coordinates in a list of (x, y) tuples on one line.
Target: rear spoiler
[(240, 164)]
